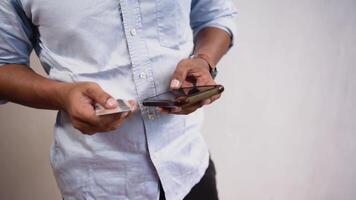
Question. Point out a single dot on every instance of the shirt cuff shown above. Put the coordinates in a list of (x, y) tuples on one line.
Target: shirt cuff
[(224, 23)]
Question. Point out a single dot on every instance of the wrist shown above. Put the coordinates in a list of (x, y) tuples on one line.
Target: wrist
[(59, 94), (207, 59)]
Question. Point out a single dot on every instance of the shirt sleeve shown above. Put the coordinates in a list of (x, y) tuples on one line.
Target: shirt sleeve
[(15, 35), (213, 13)]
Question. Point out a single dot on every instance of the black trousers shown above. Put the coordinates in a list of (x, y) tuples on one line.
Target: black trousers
[(205, 189)]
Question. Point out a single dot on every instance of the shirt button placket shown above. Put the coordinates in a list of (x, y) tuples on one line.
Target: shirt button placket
[(138, 53), (141, 68)]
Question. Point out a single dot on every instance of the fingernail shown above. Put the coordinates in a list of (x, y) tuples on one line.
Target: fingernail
[(111, 102), (175, 83)]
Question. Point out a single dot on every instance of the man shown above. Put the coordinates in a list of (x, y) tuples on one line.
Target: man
[(97, 51)]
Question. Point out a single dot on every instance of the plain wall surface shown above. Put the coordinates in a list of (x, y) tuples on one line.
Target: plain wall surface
[(285, 127)]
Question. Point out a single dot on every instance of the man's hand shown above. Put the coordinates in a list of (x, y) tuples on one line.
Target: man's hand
[(190, 72), (212, 42), (21, 85), (77, 100)]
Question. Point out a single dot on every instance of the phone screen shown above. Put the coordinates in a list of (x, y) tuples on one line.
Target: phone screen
[(179, 97)]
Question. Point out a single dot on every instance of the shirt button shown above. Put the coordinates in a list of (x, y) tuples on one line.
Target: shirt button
[(142, 75), (133, 32)]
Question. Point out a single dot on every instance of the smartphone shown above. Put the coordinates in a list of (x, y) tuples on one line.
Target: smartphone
[(123, 106), (184, 96)]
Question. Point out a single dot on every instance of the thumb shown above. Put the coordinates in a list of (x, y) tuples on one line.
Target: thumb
[(98, 95), (179, 75)]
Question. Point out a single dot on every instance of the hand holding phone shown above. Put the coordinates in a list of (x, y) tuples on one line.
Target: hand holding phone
[(183, 97)]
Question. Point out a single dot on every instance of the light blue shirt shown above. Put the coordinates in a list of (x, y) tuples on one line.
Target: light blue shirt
[(130, 48)]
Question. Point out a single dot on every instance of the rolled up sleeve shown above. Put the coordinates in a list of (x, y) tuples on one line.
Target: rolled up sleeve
[(15, 35), (213, 13)]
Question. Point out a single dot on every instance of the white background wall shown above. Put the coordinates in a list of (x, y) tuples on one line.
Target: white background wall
[(285, 127)]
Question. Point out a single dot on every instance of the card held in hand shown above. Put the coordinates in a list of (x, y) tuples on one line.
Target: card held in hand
[(123, 106)]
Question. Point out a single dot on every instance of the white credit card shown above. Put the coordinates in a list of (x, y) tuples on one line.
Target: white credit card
[(123, 106)]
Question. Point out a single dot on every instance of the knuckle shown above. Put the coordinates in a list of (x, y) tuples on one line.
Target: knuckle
[(182, 66), (92, 85), (179, 74), (103, 96), (179, 69), (90, 90), (183, 63)]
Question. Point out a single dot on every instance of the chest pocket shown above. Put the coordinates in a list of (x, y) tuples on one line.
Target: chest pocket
[(168, 23)]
